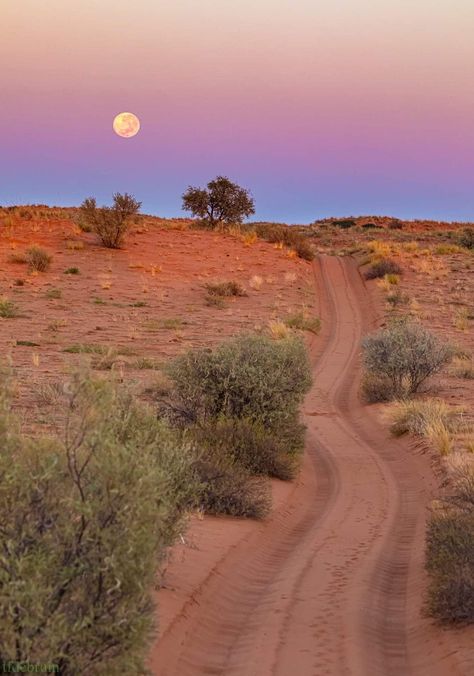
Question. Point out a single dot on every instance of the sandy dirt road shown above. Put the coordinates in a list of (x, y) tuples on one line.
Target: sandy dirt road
[(331, 584)]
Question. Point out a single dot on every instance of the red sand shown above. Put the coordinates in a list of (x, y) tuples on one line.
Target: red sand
[(332, 582)]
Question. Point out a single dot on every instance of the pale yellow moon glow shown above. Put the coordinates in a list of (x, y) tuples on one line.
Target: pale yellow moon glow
[(126, 125)]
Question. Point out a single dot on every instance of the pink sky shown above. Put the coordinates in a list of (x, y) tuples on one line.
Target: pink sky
[(349, 106)]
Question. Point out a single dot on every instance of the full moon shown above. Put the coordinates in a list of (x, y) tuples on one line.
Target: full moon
[(126, 125)]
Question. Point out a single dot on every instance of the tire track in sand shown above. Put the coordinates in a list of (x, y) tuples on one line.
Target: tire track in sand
[(330, 584)]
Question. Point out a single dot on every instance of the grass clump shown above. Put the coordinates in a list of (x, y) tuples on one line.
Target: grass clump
[(382, 267), (225, 289), (450, 553), (463, 367), (8, 309), (72, 271), (278, 233), (302, 321), (404, 355), (38, 259), (86, 516), (53, 294), (397, 298), (429, 418)]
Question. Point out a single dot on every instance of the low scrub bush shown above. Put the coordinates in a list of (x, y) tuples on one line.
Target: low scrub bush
[(302, 321), (8, 309), (38, 259), (450, 553), (406, 354), (86, 517), (227, 488), (396, 298), (466, 238), (279, 233), (382, 267), (225, 289), (344, 223), (247, 377), (249, 445), (110, 223), (72, 271), (240, 403), (395, 224), (376, 388), (463, 367)]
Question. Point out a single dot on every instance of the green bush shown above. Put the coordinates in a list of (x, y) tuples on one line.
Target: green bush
[(85, 519), (376, 388), (239, 403), (450, 563), (227, 488), (250, 377), (405, 354), (466, 238), (382, 267), (249, 445), (344, 223)]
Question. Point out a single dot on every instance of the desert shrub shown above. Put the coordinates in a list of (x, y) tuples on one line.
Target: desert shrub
[(8, 309), (72, 271), (344, 223), (239, 403), (53, 294), (382, 267), (215, 301), (248, 377), (225, 289), (370, 226), (303, 249), (406, 354), (466, 238), (227, 488), (376, 388), (395, 224), (276, 233), (86, 516), (221, 202), (38, 259), (450, 562), (111, 223), (302, 321)]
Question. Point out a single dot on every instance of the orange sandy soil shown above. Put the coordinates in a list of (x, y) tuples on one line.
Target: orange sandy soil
[(162, 265), (332, 582)]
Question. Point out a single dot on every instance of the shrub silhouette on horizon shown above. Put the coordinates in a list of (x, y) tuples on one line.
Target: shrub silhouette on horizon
[(221, 202), (110, 223)]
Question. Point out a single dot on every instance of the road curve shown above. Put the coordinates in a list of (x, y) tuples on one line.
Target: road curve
[(331, 583)]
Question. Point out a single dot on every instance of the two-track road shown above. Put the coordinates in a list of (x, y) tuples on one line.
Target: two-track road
[(331, 584)]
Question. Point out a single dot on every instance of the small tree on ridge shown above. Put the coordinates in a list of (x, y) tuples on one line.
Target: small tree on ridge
[(221, 202)]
